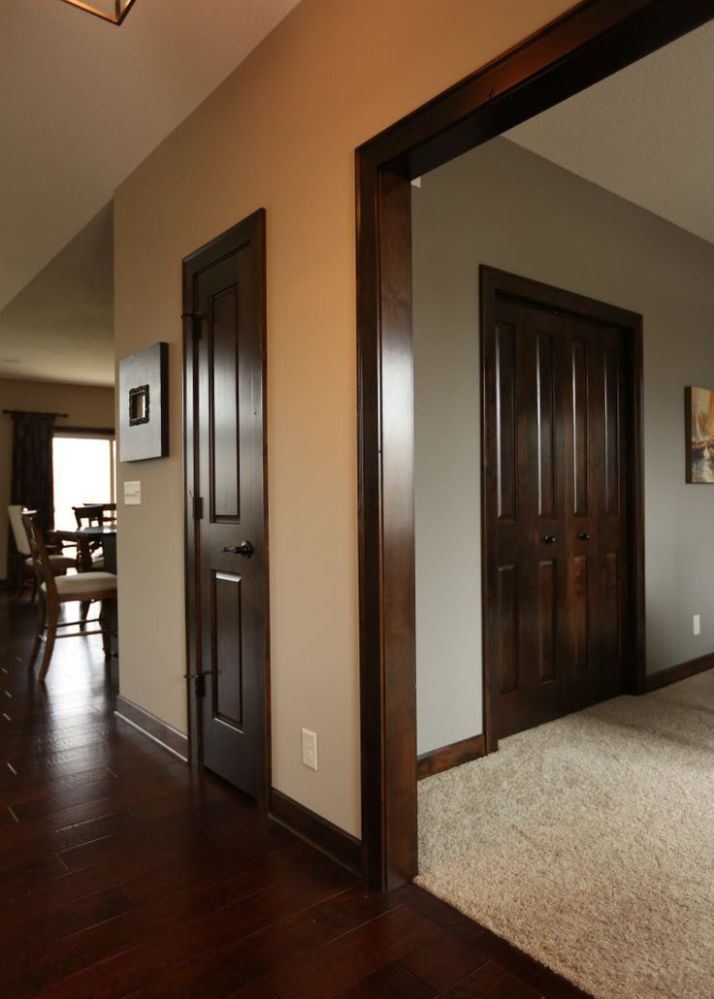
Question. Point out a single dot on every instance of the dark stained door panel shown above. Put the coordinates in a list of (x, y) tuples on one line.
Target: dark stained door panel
[(227, 300), (556, 509)]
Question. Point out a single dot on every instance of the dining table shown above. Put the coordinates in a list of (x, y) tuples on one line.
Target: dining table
[(106, 536)]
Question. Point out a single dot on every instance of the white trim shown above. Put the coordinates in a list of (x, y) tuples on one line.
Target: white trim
[(153, 738)]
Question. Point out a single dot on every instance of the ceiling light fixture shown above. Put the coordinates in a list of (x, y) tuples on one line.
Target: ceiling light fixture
[(113, 11)]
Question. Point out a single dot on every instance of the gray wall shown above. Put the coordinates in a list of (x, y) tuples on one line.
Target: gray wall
[(506, 207)]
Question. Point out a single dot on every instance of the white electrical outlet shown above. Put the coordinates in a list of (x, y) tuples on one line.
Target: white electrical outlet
[(309, 749), (697, 624)]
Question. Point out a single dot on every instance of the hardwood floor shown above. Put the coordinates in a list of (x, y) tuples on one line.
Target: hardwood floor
[(123, 872)]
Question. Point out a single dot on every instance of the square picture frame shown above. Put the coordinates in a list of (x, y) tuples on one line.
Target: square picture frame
[(143, 404)]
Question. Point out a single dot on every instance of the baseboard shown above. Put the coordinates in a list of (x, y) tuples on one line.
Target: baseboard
[(317, 831), (149, 725), (682, 671), (450, 756)]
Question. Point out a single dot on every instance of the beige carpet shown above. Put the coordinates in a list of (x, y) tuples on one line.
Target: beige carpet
[(589, 843)]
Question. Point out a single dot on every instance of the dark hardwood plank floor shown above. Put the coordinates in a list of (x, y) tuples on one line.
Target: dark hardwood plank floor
[(123, 872)]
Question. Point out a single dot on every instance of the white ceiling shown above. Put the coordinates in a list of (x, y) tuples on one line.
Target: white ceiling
[(84, 102), (646, 133), (60, 326)]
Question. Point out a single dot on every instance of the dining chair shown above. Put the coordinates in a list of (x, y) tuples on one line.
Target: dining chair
[(56, 591), (96, 514), (59, 563)]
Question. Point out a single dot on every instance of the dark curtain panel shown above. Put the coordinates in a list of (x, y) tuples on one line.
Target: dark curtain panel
[(32, 484)]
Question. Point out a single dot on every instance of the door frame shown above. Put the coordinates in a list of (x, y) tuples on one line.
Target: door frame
[(588, 43), (493, 282), (250, 229)]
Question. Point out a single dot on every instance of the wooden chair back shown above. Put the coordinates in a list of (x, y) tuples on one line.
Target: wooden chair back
[(95, 514), (18, 530), (38, 553)]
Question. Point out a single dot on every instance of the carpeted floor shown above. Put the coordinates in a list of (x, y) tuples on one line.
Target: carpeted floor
[(589, 843)]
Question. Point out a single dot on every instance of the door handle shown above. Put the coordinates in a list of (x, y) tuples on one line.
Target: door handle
[(245, 549), (583, 536), (549, 539)]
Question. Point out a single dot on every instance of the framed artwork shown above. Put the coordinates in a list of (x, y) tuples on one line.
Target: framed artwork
[(143, 404), (699, 417)]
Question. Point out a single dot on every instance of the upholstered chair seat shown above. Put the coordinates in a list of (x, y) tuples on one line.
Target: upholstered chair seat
[(85, 585)]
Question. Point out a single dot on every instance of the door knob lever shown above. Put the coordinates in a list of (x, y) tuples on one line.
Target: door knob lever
[(583, 536), (245, 549)]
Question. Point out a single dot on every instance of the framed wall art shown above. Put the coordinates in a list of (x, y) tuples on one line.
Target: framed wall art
[(143, 404), (699, 418)]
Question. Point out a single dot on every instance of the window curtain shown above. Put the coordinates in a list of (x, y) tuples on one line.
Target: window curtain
[(32, 481)]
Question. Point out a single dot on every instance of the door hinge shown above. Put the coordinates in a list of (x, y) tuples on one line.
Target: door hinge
[(198, 507), (196, 323), (199, 683)]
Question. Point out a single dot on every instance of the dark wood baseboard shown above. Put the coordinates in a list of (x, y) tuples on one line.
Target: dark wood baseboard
[(682, 671), (318, 831), (450, 756), (167, 736)]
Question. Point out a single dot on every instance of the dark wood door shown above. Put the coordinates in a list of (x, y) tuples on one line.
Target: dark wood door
[(225, 296), (557, 503)]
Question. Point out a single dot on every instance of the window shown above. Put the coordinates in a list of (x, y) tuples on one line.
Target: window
[(83, 470)]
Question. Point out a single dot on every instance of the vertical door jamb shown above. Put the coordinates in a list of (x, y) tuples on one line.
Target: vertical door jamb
[(191, 336)]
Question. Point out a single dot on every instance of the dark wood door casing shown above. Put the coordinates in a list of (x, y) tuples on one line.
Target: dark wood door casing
[(590, 42), (562, 542), (226, 483)]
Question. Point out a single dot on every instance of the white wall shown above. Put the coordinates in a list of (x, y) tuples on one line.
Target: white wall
[(506, 207), (281, 133)]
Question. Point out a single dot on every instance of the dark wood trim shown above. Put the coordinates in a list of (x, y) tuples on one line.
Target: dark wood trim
[(34, 412), (682, 671), (191, 524), (453, 755), (152, 727), (494, 282), (587, 44), (221, 245), (317, 831)]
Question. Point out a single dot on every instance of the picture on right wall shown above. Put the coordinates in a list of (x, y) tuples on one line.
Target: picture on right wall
[(699, 416)]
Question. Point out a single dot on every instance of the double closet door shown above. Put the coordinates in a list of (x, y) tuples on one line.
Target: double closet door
[(557, 510)]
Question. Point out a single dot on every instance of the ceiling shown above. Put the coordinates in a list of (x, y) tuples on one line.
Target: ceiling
[(88, 102), (60, 326), (646, 133), (84, 102)]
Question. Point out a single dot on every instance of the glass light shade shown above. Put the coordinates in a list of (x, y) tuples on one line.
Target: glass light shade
[(110, 10)]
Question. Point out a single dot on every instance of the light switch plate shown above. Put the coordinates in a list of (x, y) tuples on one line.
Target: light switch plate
[(697, 624), (132, 494)]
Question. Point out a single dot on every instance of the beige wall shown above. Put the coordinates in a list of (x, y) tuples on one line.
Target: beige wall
[(506, 207), (281, 134), (86, 406)]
